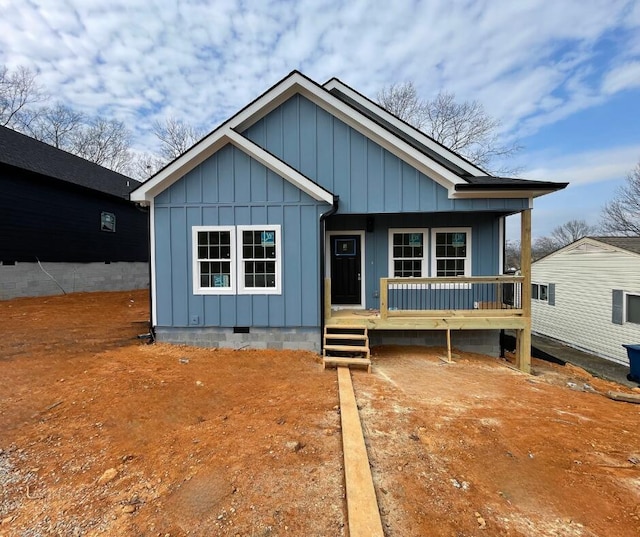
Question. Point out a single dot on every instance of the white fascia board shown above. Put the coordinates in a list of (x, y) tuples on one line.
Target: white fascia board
[(276, 165), (297, 83), (508, 194), (179, 167), (334, 83)]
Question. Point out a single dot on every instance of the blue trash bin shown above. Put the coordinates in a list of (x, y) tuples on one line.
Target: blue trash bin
[(633, 352)]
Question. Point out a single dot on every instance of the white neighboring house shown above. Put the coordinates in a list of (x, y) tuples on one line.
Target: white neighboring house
[(587, 295)]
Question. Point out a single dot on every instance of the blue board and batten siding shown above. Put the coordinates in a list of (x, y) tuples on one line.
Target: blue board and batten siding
[(368, 178), (232, 189), (485, 242)]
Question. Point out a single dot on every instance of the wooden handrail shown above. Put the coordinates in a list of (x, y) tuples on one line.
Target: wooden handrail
[(456, 279)]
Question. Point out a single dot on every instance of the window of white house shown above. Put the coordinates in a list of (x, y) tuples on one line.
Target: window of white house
[(260, 264), (544, 292), (633, 308), (539, 291), (451, 252), (214, 260), (407, 251)]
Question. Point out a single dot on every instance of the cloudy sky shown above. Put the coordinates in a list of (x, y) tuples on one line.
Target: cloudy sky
[(562, 76)]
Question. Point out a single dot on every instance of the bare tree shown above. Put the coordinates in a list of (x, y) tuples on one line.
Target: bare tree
[(175, 137), (571, 231), (621, 216), (401, 100), (56, 126), (105, 142), (463, 127), (543, 246), (144, 165), (18, 92), (512, 255)]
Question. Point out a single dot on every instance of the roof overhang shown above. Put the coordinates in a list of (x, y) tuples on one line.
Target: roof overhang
[(295, 83), (420, 136), (526, 189), (207, 147)]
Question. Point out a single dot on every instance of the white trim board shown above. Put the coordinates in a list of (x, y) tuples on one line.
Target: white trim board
[(456, 159)]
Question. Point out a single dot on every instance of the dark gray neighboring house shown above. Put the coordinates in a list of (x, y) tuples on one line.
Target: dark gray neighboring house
[(68, 217)]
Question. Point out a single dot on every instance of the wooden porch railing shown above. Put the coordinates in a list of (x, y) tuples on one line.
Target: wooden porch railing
[(484, 296)]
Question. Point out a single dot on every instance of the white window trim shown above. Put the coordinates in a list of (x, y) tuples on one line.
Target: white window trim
[(425, 254), (197, 288), (624, 306), (468, 258), (277, 290), (425, 248), (539, 289)]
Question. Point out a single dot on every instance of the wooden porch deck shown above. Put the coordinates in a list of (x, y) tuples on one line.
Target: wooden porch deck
[(443, 304), (452, 320)]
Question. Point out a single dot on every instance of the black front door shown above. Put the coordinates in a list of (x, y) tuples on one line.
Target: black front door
[(345, 269)]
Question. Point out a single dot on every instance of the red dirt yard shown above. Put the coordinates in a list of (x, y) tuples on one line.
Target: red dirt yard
[(102, 434)]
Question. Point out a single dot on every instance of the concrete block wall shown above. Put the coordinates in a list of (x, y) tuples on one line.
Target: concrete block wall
[(307, 339), (478, 341), (29, 279)]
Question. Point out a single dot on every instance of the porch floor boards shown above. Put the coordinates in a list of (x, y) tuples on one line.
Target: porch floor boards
[(372, 320)]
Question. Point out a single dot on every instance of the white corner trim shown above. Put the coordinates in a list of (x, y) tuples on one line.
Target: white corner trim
[(281, 168), (152, 261), (334, 83)]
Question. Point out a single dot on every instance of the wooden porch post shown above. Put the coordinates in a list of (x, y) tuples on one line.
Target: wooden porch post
[(523, 354)]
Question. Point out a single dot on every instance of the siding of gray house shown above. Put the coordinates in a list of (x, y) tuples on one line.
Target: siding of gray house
[(230, 188), (368, 178)]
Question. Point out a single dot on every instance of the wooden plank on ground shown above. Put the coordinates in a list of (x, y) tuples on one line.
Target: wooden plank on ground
[(626, 397), (362, 506)]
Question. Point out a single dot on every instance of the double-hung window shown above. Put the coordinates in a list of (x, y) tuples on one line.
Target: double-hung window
[(407, 253), (260, 263), (214, 269), (451, 252), (236, 260)]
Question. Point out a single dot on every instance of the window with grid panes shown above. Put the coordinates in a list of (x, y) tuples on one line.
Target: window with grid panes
[(451, 253), (259, 250), (214, 263), (407, 252)]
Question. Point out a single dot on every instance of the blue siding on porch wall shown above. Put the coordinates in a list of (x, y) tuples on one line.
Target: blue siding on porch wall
[(367, 177), (485, 242), (230, 188)]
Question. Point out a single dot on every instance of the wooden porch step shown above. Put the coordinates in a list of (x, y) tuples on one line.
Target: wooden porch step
[(338, 361), (347, 348), (346, 345), (345, 327), (354, 337)]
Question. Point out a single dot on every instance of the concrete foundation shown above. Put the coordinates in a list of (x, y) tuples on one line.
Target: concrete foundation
[(29, 279), (479, 341), (307, 339)]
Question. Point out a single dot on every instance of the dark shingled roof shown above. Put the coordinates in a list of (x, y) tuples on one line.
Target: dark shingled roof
[(488, 182), (632, 244), (29, 154)]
